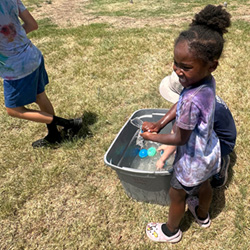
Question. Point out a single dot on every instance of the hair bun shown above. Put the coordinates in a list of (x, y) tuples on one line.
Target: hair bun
[(214, 17)]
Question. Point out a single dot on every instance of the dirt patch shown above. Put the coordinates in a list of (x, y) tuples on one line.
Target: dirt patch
[(76, 14), (60, 14)]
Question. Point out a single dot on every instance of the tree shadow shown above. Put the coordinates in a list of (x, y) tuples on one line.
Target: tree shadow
[(218, 201)]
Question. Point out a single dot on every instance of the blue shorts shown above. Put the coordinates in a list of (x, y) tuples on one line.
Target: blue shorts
[(18, 93)]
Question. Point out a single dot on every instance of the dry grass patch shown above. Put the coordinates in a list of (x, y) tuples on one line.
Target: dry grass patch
[(81, 14), (66, 198)]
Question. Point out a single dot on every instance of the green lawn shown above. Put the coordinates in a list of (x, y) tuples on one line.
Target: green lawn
[(105, 68)]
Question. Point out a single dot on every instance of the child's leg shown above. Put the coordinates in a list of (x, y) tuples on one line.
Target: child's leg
[(43, 116), (53, 135), (44, 103), (176, 209), (29, 114), (220, 179), (46, 115), (169, 232), (205, 198)]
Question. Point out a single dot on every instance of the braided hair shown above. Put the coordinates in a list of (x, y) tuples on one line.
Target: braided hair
[(205, 35)]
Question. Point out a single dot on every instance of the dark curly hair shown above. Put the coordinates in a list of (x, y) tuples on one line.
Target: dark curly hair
[(205, 35)]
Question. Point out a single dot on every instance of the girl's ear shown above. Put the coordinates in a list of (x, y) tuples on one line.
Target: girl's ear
[(213, 65)]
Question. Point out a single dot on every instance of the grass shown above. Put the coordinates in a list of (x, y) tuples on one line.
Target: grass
[(66, 198), (159, 8)]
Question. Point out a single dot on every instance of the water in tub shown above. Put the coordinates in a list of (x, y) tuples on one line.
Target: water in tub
[(148, 163)]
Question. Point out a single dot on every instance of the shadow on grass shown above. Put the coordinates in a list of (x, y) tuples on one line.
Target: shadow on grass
[(218, 202), (88, 118)]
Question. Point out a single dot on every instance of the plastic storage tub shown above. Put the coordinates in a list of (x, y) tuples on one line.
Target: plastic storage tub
[(146, 186)]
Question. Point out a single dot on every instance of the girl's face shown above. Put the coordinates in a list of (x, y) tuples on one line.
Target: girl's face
[(189, 69)]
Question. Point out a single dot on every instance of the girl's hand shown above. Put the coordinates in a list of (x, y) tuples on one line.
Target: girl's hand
[(147, 135), (150, 127)]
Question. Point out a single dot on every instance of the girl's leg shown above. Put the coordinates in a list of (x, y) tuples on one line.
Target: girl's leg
[(170, 231), (176, 209), (205, 198)]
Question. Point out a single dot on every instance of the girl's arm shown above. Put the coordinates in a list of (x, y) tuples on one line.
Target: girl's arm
[(178, 138), (29, 23), (157, 126)]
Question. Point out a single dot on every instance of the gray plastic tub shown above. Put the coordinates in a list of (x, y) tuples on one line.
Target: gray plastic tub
[(146, 186)]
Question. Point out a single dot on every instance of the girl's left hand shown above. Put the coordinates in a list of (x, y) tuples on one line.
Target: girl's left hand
[(147, 135)]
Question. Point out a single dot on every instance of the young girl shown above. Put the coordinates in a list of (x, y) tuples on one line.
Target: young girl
[(224, 127), (196, 54), (24, 74)]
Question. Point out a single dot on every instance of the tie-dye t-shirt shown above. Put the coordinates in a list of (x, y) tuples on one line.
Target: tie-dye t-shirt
[(199, 158), (18, 56)]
